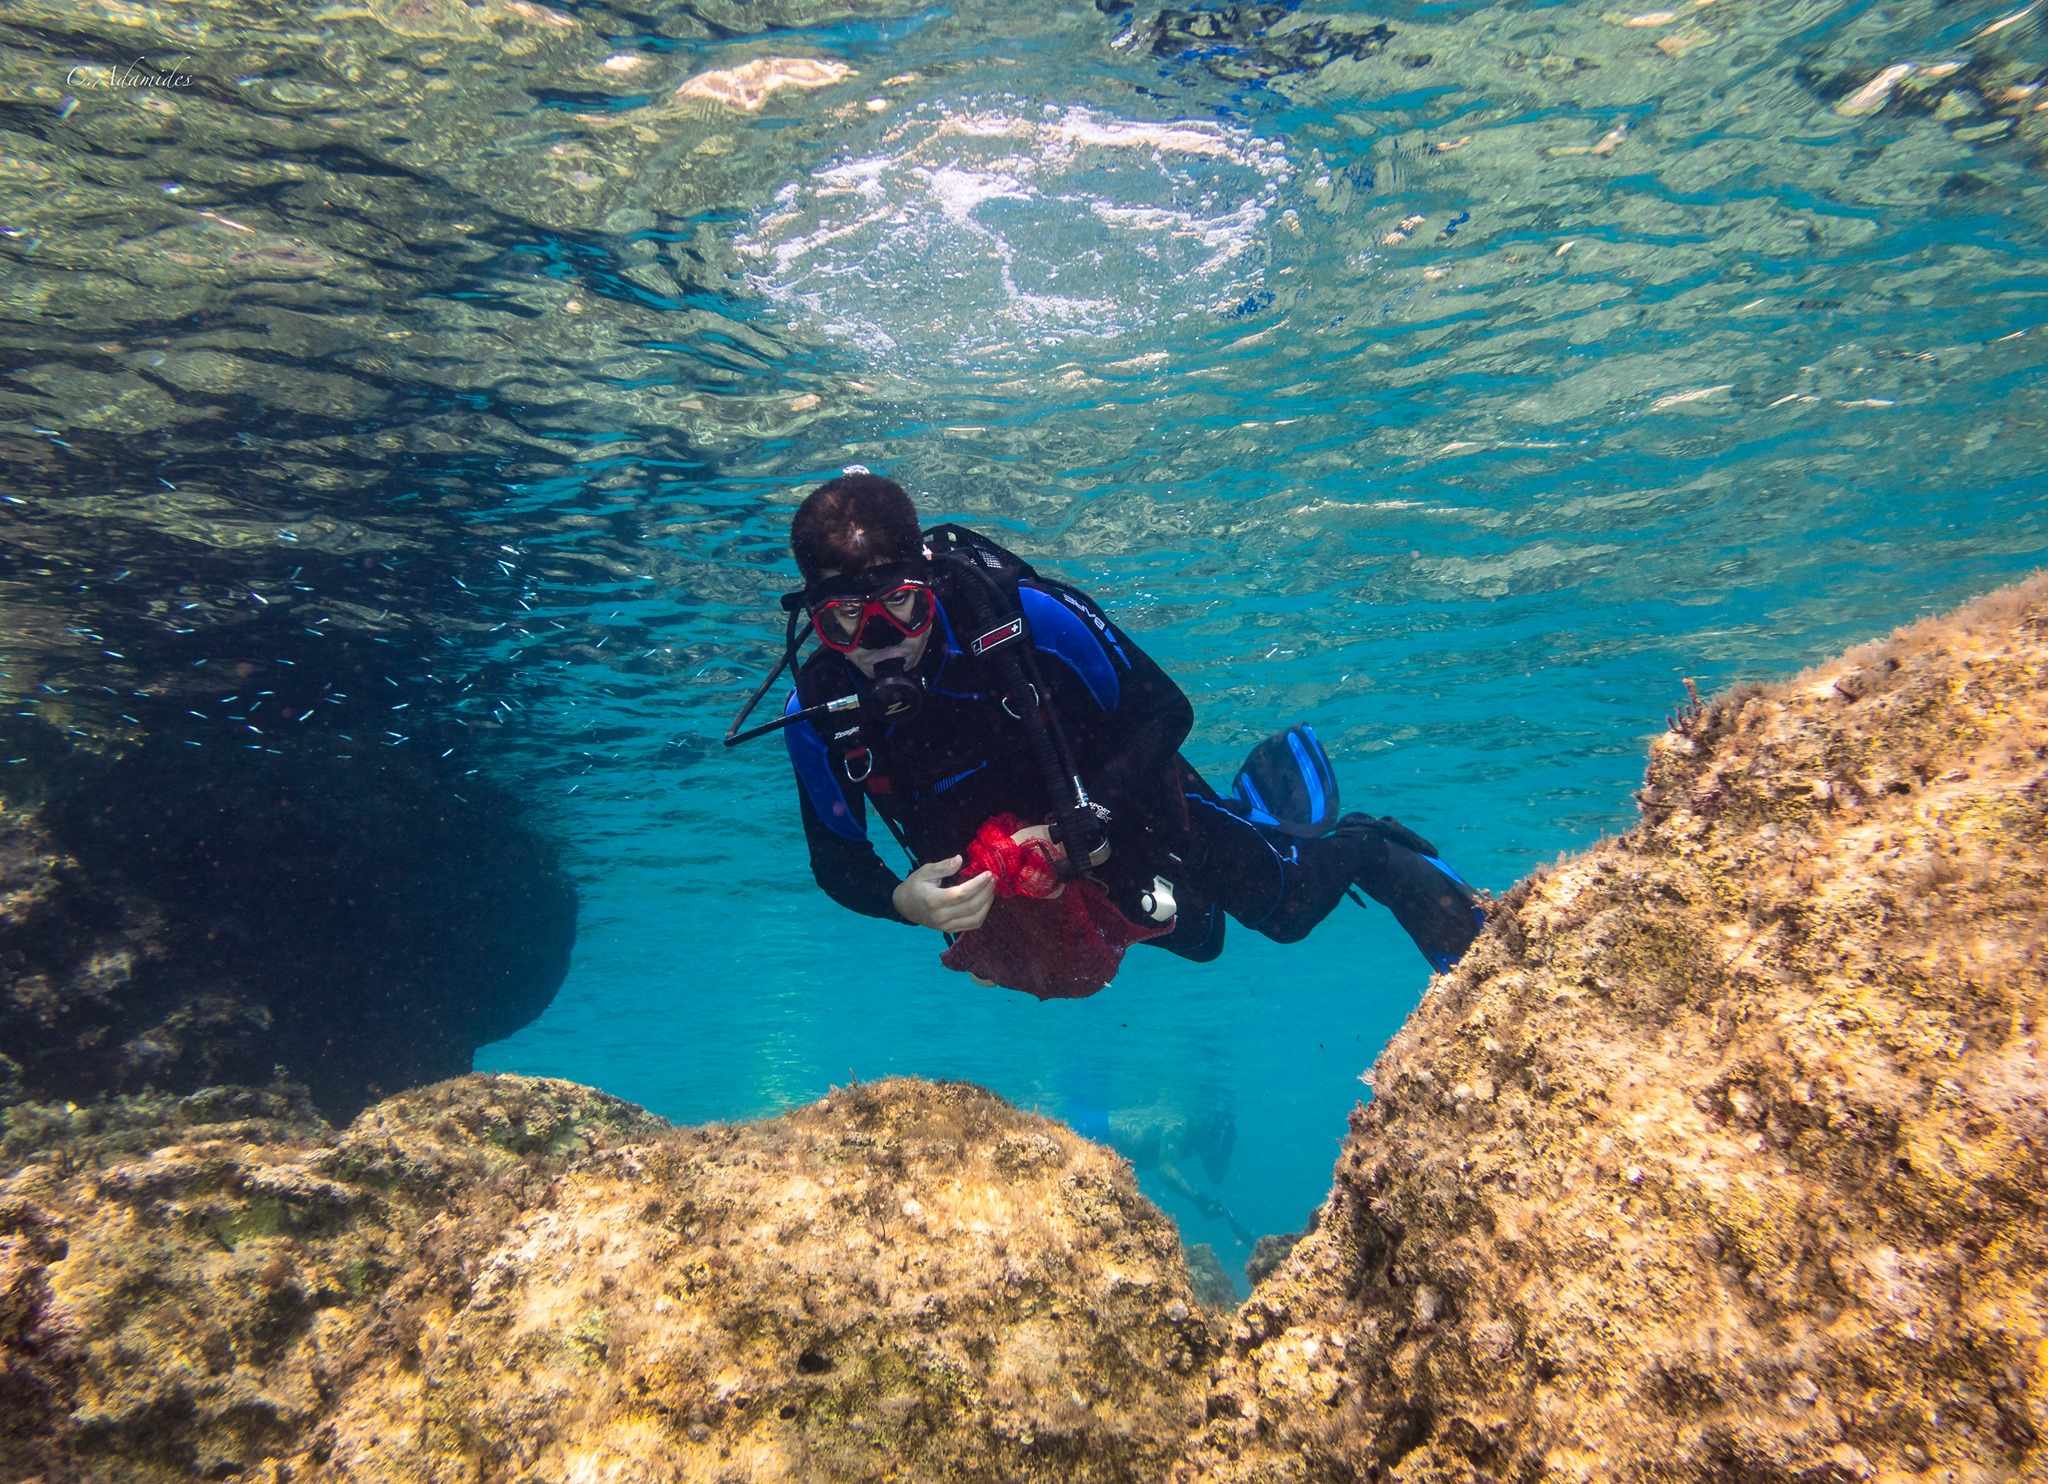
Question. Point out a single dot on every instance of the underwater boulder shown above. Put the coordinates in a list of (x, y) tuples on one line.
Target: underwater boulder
[(501, 1277), (1720, 1155), (904, 1278), (183, 1279), (171, 920)]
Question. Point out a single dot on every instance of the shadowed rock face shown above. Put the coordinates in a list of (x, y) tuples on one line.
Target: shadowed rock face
[(1718, 1158), (1720, 1155), (169, 922)]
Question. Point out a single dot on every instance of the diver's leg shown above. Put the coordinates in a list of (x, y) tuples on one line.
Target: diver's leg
[(1273, 883), (1282, 886)]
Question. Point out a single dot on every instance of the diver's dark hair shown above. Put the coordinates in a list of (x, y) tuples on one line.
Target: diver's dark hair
[(852, 522)]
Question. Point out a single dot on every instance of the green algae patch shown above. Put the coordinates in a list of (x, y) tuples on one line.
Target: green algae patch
[(359, 1276), (591, 1337), (259, 1218)]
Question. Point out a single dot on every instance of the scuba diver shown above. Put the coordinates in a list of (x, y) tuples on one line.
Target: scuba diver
[(955, 686), (1161, 1139)]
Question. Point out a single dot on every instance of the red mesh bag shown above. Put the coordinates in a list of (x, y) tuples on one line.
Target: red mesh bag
[(1058, 948)]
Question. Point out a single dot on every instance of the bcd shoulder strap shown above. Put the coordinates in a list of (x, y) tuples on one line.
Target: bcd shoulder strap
[(992, 573), (996, 632), (953, 539), (990, 615)]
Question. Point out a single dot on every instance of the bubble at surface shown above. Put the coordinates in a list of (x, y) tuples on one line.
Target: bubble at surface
[(974, 234)]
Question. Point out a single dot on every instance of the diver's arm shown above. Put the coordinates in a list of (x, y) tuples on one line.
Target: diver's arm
[(855, 877), (836, 828), (1209, 1205), (850, 872)]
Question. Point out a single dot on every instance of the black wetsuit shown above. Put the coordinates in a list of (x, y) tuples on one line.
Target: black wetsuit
[(962, 759)]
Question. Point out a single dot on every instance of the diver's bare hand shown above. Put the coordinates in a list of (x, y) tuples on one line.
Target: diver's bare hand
[(925, 899)]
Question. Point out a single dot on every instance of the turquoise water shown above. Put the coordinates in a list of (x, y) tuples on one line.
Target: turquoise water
[(1460, 390)]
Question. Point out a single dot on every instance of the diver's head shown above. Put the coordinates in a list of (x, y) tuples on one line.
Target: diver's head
[(867, 580), (879, 616), (849, 524)]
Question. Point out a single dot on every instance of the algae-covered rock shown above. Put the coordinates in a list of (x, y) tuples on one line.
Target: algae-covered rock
[(1720, 1155), (904, 1276), (506, 1277), (1211, 1283), (1269, 1252), (441, 1137), (181, 1278)]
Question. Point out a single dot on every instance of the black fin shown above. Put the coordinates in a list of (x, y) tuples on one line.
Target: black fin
[(1287, 782), (1434, 904)]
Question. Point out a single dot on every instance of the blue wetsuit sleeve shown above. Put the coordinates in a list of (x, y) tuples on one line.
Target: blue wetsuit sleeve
[(1123, 715), (843, 863)]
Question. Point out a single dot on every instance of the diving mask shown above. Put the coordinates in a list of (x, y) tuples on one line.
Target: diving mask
[(871, 610)]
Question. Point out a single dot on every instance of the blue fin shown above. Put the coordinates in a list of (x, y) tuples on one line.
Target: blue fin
[(1287, 782)]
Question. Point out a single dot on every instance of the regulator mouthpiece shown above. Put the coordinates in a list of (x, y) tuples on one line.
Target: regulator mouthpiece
[(893, 696)]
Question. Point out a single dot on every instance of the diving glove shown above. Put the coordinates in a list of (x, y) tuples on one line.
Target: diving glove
[(1403, 873)]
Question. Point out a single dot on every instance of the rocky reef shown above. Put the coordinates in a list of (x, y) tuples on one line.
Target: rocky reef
[(502, 1277), (187, 1285), (1719, 1157)]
